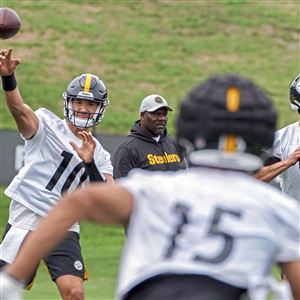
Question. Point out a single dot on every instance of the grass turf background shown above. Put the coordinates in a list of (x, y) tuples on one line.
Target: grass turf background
[(138, 48)]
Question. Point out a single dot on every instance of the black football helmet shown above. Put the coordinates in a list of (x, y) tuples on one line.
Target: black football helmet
[(230, 120), (295, 93), (85, 87)]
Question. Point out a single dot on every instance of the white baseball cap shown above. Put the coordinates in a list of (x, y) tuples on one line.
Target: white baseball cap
[(154, 102)]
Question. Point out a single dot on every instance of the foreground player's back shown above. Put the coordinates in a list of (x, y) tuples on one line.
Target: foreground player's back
[(233, 216)]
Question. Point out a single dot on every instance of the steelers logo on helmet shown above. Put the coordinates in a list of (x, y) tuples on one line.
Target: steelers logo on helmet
[(295, 93), (225, 122), (86, 87)]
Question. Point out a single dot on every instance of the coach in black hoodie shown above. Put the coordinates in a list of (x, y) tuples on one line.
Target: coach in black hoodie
[(148, 146)]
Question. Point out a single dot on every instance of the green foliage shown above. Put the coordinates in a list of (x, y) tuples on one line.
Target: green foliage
[(142, 47)]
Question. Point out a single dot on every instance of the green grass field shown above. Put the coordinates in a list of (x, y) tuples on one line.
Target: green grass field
[(138, 48), (142, 47)]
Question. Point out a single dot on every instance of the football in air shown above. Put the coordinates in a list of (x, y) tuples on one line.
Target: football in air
[(10, 23)]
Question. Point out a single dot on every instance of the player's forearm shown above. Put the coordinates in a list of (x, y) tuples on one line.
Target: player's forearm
[(109, 178), (12, 94), (14, 102), (292, 272), (268, 173), (26, 120)]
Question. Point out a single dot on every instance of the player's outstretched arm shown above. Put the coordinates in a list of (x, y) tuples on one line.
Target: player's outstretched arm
[(100, 203), (26, 120), (268, 173)]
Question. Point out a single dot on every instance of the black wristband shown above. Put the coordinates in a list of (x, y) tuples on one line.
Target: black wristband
[(9, 83), (90, 164), (93, 172)]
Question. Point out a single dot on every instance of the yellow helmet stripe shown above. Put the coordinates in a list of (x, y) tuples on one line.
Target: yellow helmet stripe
[(230, 143), (233, 99), (87, 83)]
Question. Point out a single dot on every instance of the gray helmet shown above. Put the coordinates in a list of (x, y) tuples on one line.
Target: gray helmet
[(230, 120), (295, 93), (90, 88)]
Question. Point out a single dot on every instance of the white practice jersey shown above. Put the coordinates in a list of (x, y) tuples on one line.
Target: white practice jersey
[(51, 166), (286, 142), (226, 225)]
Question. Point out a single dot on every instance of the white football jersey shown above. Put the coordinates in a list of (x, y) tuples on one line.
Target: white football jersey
[(286, 142), (222, 224), (51, 166)]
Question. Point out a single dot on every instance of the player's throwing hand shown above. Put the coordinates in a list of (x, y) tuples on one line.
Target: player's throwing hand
[(7, 62)]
